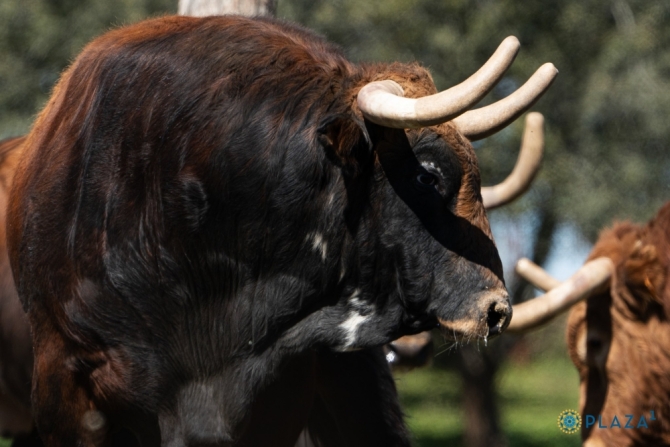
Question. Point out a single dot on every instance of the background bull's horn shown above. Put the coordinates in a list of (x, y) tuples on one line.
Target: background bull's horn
[(480, 123), (381, 102), (525, 169), (536, 275), (593, 277)]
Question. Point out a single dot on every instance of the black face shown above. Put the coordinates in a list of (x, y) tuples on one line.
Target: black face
[(434, 262)]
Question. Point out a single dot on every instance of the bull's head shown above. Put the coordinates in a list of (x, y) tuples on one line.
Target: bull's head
[(618, 338), (431, 225), (412, 351)]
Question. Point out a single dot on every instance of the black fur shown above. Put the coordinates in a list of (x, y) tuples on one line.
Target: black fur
[(201, 213)]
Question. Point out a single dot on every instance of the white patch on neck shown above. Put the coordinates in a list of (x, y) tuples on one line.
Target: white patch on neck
[(319, 244), (354, 320), (350, 327)]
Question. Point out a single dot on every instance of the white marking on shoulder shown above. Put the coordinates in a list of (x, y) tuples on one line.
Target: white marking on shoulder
[(350, 327), (360, 312), (318, 244)]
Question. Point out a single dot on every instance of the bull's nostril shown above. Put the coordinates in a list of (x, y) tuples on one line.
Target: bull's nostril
[(495, 318)]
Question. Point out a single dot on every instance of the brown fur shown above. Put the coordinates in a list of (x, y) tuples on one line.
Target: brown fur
[(156, 231), (620, 340), (417, 82), (16, 360)]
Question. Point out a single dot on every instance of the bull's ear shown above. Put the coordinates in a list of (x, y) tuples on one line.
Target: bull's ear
[(346, 142), (645, 276)]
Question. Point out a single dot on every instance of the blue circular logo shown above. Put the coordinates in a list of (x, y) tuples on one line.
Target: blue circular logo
[(569, 421)]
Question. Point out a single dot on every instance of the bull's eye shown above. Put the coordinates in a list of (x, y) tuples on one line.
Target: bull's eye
[(426, 179), (429, 179)]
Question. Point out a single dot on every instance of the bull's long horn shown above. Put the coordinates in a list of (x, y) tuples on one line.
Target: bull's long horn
[(536, 275), (526, 166), (382, 102), (480, 123), (591, 278)]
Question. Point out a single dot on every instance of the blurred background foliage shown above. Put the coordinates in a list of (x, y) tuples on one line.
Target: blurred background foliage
[(606, 159), (606, 113), (39, 38)]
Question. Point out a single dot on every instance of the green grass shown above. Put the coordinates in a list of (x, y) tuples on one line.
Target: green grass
[(430, 399), (531, 398)]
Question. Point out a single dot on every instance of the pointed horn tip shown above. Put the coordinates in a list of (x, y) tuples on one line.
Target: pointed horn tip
[(512, 42), (535, 275), (480, 123), (543, 76), (535, 120), (549, 68), (522, 265)]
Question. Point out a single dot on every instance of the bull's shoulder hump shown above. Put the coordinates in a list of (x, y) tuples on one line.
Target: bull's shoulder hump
[(209, 38)]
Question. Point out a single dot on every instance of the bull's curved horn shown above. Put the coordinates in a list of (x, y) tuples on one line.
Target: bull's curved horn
[(526, 166), (591, 278), (480, 123), (382, 102), (536, 275)]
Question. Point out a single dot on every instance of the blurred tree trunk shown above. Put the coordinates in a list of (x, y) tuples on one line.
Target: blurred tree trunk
[(478, 371), (203, 8), (478, 367)]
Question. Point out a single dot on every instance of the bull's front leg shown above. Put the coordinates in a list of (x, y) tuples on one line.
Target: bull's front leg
[(70, 400), (64, 413), (357, 402)]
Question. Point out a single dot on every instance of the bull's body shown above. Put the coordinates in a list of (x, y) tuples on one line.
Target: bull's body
[(202, 227), (620, 339), (16, 356)]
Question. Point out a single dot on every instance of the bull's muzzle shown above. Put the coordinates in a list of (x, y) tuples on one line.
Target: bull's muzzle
[(490, 316)]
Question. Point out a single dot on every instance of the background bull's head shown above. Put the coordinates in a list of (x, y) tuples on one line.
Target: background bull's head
[(618, 338)]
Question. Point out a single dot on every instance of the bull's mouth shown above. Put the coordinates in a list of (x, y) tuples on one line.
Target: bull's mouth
[(492, 322), (463, 330)]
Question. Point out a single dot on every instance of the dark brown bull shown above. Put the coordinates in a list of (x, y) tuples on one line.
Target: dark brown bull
[(16, 355), (210, 215), (618, 338)]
